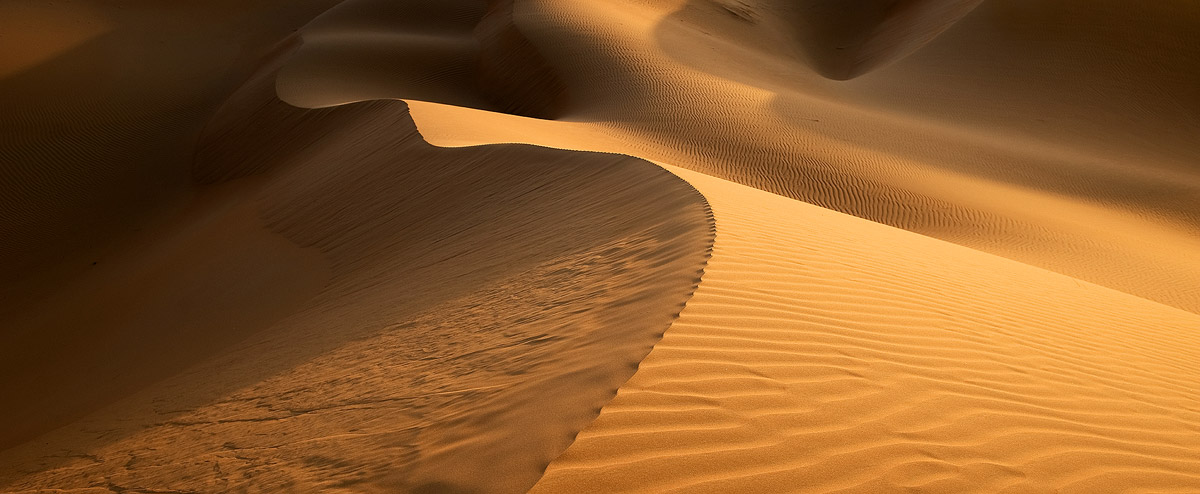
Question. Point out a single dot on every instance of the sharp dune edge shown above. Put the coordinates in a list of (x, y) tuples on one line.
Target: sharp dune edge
[(915, 246)]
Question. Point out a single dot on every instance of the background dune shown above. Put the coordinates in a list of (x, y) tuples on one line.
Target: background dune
[(1053, 133)]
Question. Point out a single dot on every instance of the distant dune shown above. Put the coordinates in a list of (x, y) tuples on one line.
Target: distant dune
[(489, 246)]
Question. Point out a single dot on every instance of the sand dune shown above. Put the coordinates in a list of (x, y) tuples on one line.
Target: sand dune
[(782, 246)]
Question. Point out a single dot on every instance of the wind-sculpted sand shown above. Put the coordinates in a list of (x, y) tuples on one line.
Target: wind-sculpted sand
[(824, 353), (488, 246)]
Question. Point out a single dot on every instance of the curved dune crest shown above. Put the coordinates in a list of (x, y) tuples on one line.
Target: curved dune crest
[(826, 353), (476, 308)]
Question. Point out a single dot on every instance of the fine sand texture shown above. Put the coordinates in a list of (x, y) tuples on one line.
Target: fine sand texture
[(824, 353), (564, 246)]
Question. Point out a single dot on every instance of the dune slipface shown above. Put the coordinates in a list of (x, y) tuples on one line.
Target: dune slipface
[(450, 317)]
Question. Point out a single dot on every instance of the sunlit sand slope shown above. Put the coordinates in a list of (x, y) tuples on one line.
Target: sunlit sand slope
[(396, 317), (824, 353)]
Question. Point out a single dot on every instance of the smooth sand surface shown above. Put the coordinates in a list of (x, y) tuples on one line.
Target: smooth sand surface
[(914, 246)]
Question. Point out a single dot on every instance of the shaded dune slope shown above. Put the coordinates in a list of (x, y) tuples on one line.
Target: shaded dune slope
[(449, 318)]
